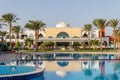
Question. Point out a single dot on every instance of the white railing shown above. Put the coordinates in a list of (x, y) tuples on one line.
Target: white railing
[(58, 39)]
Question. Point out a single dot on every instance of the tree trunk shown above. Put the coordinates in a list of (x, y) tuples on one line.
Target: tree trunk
[(36, 43), (17, 37), (10, 26), (89, 40), (114, 40), (118, 39), (101, 40), (15, 40), (102, 68)]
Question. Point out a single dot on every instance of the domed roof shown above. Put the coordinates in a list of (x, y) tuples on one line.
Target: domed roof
[(62, 25)]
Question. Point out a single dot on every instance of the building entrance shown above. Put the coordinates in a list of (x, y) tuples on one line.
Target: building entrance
[(62, 44)]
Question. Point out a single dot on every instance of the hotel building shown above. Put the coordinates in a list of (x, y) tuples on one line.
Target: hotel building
[(61, 34)]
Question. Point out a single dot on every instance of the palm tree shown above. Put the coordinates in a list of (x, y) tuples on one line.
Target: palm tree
[(117, 33), (3, 33), (100, 24), (35, 26), (9, 18), (1, 23), (28, 42), (116, 67), (88, 71), (87, 28), (113, 23), (17, 30)]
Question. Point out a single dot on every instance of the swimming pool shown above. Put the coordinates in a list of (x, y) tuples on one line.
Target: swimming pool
[(20, 73), (84, 67), (6, 70), (92, 70), (72, 67)]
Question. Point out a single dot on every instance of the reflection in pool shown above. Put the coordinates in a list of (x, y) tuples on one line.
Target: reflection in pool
[(85, 67), (62, 63), (96, 70), (91, 69)]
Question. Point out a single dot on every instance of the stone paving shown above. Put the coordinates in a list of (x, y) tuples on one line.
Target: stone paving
[(5, 57)]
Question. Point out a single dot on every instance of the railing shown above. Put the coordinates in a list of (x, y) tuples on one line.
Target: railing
[(66, 39)]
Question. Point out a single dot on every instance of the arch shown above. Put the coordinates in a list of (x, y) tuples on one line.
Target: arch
[(40, 35), (7, 36), (85, 35), (13, 36), (104, 43), (63, 63), (62, 35), (76, 56), (50, 37), (40, 62), (75, 37)]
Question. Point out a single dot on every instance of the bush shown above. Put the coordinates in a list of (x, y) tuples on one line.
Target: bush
[(47, 45), (76, 45)]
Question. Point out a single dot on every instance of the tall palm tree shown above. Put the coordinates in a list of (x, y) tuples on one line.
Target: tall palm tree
[(113, 23), (9, 18), (100, 24), (35, 26), (17, 30), (87, 28), (117, 34)]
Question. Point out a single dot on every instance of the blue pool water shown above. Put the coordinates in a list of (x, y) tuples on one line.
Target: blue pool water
[(98, 67), (6, 70), (105, 71), (20, 73), (95, 67)]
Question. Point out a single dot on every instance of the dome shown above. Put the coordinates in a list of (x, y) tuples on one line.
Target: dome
[(62, 25), (61, 73)]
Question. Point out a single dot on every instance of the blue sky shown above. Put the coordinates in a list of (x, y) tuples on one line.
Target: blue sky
[(75, 12)]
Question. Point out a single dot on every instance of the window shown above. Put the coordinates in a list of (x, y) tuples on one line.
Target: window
[(62, 35), (50, 37)]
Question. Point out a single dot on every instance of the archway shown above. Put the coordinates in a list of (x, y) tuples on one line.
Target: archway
[(40, 35), (62, 35), (85, 35)]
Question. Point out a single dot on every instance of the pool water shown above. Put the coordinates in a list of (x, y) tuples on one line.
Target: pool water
[(82, 67), (20, 73), (107, 70), (6, 70)]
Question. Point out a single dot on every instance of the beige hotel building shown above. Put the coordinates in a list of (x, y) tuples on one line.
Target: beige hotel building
[(61, 34)]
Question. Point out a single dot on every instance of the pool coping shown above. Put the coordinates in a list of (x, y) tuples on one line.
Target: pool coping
[(70, 52)]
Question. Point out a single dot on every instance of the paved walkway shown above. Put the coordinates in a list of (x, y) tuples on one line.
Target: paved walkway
[(5, 57), (117, 52)]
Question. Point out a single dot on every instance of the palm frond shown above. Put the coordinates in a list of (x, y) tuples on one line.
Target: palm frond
[(34, 25), (9, 17), (99, 23), (113, 23), (87, 27)]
